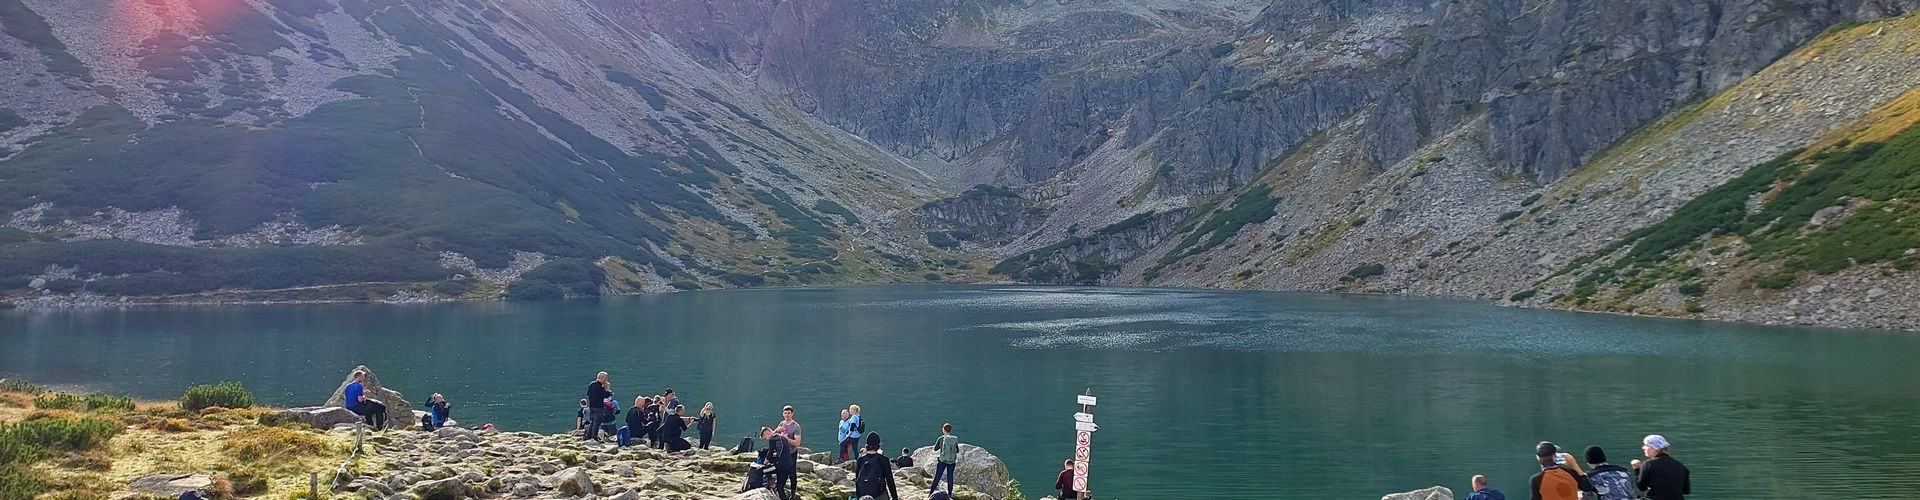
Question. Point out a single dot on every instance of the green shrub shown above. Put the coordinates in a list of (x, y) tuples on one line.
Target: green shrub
[(534, 290), (1693, 289), (1221, 50), (1509, 216), (1530, 199), (1363, 272), (1773, 281), (453, 286), (108, 403), (942, 240), (56, 401), (224, 394), (60, 434), (1522, 295), (16, 482)]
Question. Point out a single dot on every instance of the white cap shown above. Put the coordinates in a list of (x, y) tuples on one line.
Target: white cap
[(1655, 441)]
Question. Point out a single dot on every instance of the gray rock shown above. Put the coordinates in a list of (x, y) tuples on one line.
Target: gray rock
[(525, 490), (975, 468), (669, 482), (456, 433), (627, 495), (319, 417), (452, 488), (1434, 493), (831, 474), (573, 481), (171, 485), (399, 413)]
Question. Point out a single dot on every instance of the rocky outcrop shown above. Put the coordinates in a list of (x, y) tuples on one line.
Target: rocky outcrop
[(457, 463), (319, 417), (1434, 493), (171, 485), (976, 468), (399, 412)]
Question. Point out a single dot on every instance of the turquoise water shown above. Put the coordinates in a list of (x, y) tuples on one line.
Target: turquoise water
[(1203, 394)]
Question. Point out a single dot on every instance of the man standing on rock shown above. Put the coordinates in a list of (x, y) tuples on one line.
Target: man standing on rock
[(597, 393), (949, 447), (357, 402)]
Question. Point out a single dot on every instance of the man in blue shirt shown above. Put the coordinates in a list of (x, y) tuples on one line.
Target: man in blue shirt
[(357, 402), (1483, 492)]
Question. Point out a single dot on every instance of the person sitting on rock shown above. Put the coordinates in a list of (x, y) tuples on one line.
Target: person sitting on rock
[(438, 412), (905, 460), (650, 423), (762, 472), (1483, 492), (873, 473), (1064, 482), (580, 420), (372, 410), (636, 420)]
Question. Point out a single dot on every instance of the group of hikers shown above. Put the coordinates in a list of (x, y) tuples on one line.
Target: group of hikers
[(1660, 477), (660, 420)]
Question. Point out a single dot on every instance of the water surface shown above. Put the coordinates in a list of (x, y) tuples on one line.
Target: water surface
[(1204, 394)]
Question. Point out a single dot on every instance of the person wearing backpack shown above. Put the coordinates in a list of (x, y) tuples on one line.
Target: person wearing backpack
[(949, 447), (761, 473), (848, 440), (1609, 480), (1559, 477), (873, 473), (786, 463)]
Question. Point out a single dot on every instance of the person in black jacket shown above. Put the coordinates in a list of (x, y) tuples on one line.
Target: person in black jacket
[(873, 472), (905, 460), (670, 429), (649, 423), (705, 424), (597, 393), (786, 463), (1662, 477), (1064, 483), (636, 418)]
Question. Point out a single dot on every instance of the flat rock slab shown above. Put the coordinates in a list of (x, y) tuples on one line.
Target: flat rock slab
[(1434, 493), (171, 485)]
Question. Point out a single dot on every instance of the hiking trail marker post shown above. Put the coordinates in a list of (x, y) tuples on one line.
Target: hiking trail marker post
[(1083, 427)]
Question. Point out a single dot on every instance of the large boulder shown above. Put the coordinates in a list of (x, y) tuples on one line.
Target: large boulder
[(451, 488), (975, 468), (319, 417), (171, 485), (1434, 493), (399, 413), (573, 482)]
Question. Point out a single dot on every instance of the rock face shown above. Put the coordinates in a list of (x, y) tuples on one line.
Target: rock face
[(399, 413), (171, 485), (1434, 493), (975, 468), (320, 417)]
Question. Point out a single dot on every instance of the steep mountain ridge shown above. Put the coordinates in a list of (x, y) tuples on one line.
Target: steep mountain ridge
[(1480, 148)]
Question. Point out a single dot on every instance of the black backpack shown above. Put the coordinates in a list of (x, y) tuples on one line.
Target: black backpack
[(860, 428), (780, 452), (871, 473)]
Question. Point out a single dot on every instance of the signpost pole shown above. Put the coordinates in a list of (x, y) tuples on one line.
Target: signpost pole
[(1083, 443)]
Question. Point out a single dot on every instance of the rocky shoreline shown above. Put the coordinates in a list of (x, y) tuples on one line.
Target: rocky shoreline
[(460, 463)]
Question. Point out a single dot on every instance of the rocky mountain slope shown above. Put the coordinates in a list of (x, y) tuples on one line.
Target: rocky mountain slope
[(1521, 150)]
